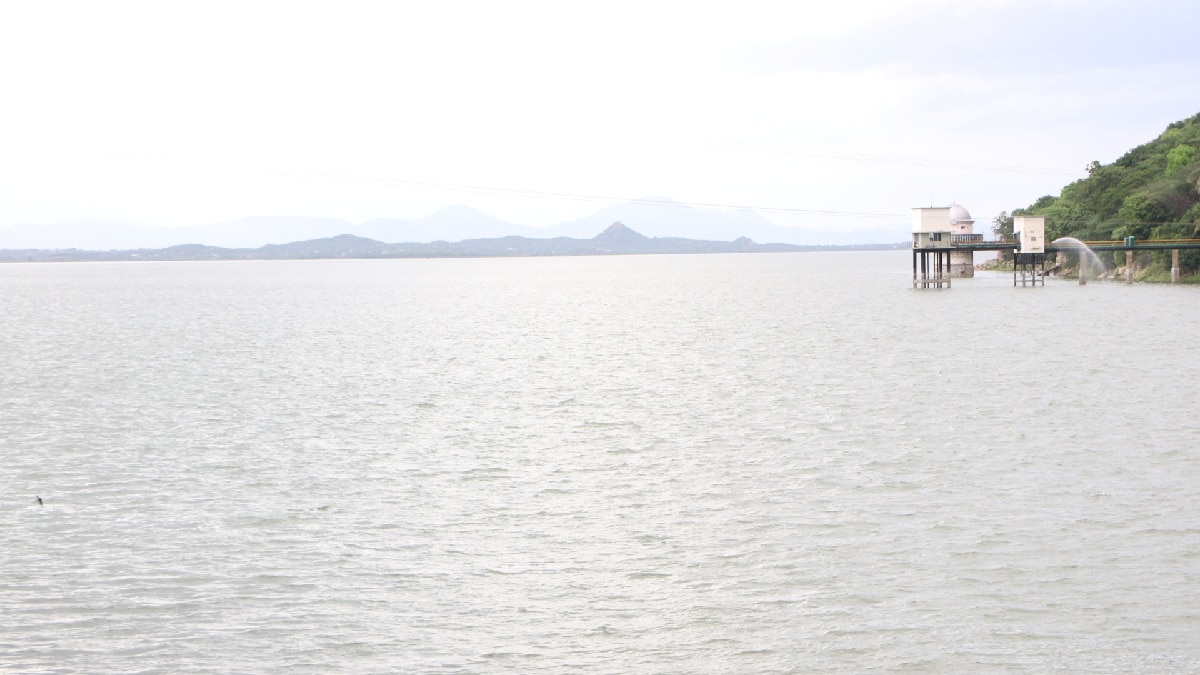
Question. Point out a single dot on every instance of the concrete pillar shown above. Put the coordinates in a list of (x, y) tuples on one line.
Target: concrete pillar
[(1174, 265), (1128, 267)]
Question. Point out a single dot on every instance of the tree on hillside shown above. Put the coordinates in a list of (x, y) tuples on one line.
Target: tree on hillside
[(1002, 226), (1139, 214), (1179, 157)]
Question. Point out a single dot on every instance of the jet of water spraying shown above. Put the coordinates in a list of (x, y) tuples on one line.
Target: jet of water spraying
[(1089, 262)]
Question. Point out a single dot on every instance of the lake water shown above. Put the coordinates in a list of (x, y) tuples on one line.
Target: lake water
[(650, 464)]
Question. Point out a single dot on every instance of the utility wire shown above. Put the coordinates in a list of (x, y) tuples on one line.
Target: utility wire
[(891, 159), (581, 197), (608, 199)]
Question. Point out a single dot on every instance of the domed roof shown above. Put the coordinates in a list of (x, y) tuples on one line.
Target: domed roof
[(958, 214)]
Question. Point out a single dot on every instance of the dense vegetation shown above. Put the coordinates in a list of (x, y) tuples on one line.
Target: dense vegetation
[(1152, 192)]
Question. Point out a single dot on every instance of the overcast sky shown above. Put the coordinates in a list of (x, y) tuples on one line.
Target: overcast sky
[(831, 115)]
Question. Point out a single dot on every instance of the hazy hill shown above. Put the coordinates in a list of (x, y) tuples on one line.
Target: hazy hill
[(258, 231), (655, 217), (661, 217), (454, 223), (616, 239)]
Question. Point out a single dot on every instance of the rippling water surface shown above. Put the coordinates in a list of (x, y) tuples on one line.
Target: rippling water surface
[(726, 464)]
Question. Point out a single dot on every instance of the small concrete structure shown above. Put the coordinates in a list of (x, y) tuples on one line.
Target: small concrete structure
[(931, 227), (931, 233), (1030, 232), (1029, 261)]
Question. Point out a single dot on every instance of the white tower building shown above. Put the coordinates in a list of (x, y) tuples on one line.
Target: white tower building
[(962, 230), (931, 247)]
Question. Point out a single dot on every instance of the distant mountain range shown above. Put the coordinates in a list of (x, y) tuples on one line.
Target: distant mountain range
[(654, 217), (616, 239)]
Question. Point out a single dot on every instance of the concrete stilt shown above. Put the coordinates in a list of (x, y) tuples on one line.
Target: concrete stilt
[(1082, 269), (1174, 265), (1128, 267)]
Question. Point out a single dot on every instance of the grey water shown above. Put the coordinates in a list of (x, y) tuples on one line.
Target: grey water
[(653, 464)]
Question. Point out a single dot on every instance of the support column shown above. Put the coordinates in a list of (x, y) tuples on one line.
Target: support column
[(1128, 267), (1083, 269), (1174, 265)]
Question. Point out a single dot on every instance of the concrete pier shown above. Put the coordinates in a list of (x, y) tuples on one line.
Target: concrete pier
[(1129, 267), (962, 263), (1174, 265), (931, 268)]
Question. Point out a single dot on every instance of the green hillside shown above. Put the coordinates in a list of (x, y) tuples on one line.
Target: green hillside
[(1153, 191)]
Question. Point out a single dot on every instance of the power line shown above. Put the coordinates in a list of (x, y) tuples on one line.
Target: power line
[(536, 194), (892, 159), (540, 194)]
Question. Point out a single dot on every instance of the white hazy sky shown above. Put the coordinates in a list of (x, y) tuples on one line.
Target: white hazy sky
[(172, 113)]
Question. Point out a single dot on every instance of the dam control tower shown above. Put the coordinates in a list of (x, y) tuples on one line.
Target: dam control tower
[(962, 231), (946, 226), (931, 247)]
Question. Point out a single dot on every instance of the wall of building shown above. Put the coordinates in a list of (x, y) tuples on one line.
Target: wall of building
[(962, 264), (1030, 231), (931, 219)]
